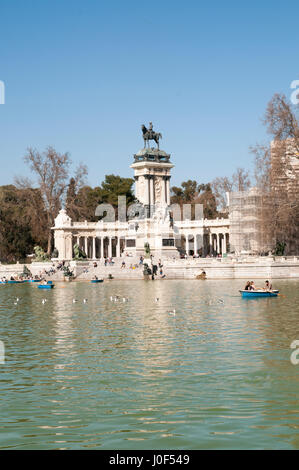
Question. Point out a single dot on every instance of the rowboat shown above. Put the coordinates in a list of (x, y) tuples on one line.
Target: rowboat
[(33, 280), (259, 293), (15, 282), (96, 281), (46, 286)]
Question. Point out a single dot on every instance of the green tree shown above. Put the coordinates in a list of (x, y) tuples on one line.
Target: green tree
[(21, 225), (114, 186), (82, 204), (190, 192)]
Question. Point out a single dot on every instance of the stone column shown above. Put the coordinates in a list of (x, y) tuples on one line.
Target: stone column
[(218, 243), (59, 243), (168, 191), (147, 190), (195, 244), (110, 248), (118, 247), (102, 247), (78, 241), (224, 244), (187, 244), (152, 198), (94, 248), (86, 246), (163, 196), (211, 243), (69, 246)]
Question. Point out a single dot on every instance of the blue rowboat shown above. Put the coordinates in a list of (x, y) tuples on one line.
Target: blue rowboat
[(259, 293), (96, 281), (46, 286), (15, 282), (33, 280)]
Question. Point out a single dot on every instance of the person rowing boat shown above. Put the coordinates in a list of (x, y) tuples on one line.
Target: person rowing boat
[(268, 286)]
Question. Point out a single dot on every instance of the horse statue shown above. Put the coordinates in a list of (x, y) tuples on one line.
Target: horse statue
[(149, 134)]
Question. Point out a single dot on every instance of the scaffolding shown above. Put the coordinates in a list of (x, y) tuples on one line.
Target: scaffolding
[(244, 217)]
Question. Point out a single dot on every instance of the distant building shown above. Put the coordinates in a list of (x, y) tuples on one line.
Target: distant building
[(284, 165)]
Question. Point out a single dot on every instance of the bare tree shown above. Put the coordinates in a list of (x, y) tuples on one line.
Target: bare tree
[(52, 171), (262, 166), (277, 175), (239, 181), (221, 186), (281, 121)]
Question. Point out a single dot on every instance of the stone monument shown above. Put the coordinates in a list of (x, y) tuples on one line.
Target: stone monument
[(152, 167)]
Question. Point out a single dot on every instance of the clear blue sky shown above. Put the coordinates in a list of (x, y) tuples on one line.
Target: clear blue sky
[(84, 75)]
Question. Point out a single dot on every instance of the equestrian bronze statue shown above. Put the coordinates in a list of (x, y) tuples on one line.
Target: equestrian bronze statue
[(149, 134)]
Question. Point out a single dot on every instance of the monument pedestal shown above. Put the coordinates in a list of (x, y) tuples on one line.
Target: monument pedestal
[(152, 175)]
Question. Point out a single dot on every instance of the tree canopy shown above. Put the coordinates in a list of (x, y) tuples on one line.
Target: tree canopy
[(82, 204), (191, 192), (23, 222)]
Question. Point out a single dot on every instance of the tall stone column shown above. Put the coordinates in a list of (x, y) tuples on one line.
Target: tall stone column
[(86, 246), (152, 197), (93, 247), (224, 244), (118, 247), (227, 241), (218, 243), (102, 247), (110, 248), (211, 243), (69, 246), (187, 244), (60, 243), (195, 244), (168, 191), (147, 190), (163, 190)]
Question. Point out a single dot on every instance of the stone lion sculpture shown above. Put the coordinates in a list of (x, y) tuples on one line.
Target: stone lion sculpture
[(40, 254), (79, 254)]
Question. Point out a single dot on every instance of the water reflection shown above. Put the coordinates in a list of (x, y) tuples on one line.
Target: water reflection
[(129, 375)]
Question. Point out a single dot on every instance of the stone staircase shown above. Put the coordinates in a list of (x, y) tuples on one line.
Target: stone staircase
[(115, 269)]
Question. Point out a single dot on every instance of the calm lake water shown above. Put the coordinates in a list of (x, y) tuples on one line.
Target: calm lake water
[(106, 375)]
